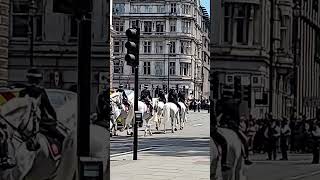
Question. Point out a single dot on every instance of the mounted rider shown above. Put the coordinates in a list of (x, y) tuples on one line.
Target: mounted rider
[(162, 96), (229, 118), (48, 122), (146, 97), (125, 100), (173, 97), (182, 98), (103, 109)]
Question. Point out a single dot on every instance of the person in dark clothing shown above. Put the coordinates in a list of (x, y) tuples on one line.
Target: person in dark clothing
[(162, 96), (284, 138), (157, 91), (173, 97), (146, 98), (124, 96), (182, 98), (48, 125), (103, 109), (316, 138), (6, 162)]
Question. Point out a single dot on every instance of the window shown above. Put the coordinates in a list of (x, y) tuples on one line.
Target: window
[(172, 48), (159, 47), (118, 8), (133, 23), (230, 79), (186, 28), (173, 8), (73, 27), (148, 9), (185, 9), (20, 18), (185, 69), (118, 67), (135, 9), (159, 26), (173, 25), (158, 68), (242, 23), (255, 80), (160, 9), (147, 47), (185, 47), (116, 46), (172, 68), (284, 32), (118, 25), (227, 22), (146, 68), (147, 26)]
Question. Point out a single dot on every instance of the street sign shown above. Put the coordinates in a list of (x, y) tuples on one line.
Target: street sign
[(91, 169), (311, 101), (138, 117)]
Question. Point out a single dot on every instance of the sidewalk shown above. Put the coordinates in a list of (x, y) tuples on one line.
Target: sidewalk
[(161, 163)]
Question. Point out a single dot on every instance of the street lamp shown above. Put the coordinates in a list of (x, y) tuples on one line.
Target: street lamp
[(169, 47), (32, 11)]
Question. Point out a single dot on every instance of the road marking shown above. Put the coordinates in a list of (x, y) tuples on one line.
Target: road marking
[(197, 125), (304, 175), (129, 152)]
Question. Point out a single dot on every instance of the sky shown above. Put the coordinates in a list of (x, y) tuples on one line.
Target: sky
[(206, 4)]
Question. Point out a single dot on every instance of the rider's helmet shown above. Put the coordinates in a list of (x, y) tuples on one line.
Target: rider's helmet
[(34, 76), (146, 86)]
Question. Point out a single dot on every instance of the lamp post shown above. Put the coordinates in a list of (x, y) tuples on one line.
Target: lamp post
[(169, 46), (32, 11), (296, 15)]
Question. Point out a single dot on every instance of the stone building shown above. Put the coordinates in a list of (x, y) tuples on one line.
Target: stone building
[(4, 24), (174, 41), (55, 44)]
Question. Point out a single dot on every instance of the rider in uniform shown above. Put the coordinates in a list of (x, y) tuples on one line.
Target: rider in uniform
[(48, 125), (124, 96), (182, 98), (173, 97), (146, 97), (230, 119), (162, 96), (103, 109)]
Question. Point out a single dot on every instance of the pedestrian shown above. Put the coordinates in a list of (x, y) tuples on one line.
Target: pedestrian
[(292, 126), (284, 138), (316, 138)]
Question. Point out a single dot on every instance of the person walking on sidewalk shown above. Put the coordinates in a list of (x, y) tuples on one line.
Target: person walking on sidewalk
[(284, 138)]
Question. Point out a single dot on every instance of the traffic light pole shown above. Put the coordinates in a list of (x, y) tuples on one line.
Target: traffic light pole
[(84, 78), (135, 133), (136, 95)]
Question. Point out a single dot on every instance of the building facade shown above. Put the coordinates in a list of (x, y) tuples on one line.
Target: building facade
[(174, 41), (308, 56), (241, 41), (4, 29), (55, 44)]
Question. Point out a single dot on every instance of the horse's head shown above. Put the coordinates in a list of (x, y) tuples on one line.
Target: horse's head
[(21, 115)]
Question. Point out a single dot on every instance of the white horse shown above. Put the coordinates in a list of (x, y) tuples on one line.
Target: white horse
[(159, 112), (234, 157), (116, 112), (22, 115), (171, 112), (183, 117)]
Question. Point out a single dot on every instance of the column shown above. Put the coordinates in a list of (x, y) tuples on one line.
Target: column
[(4, 33)]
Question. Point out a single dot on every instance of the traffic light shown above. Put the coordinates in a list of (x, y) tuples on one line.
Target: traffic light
[(132, 45), (247, 94), (237, 87)]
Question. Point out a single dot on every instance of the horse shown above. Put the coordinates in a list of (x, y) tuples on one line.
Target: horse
[(183, 117), (171, 112), (234, 157), (159, 112), (22, 117), (116, 112)]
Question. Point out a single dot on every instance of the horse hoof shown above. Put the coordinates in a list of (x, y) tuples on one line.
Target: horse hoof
[(164, 132), (172, 131), (175, 129), (131, 133), (157, 128)]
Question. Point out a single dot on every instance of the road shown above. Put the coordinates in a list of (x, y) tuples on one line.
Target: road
[(298, 167), (197, 127)]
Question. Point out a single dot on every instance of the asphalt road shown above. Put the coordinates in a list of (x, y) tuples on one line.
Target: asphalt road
[(197, 126)]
